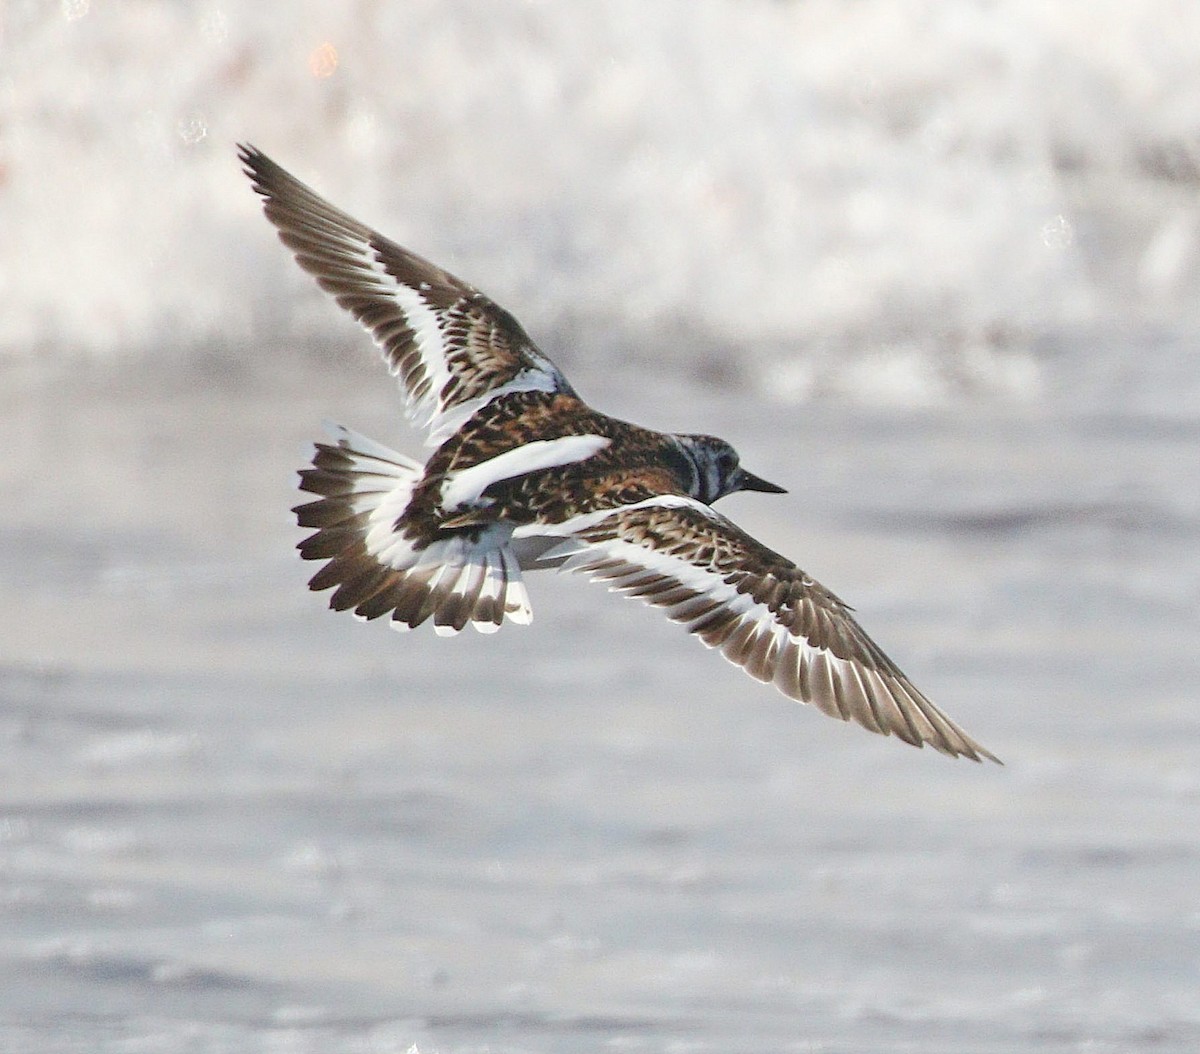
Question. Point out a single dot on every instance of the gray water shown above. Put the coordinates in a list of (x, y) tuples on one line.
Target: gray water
[(234, 821)]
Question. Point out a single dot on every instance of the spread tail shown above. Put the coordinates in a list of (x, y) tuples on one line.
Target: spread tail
[(375, 569)]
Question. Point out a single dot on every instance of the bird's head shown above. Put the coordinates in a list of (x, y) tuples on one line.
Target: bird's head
[(719, 471)]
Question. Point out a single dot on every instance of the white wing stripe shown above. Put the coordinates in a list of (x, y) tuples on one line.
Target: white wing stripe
[(468, 484), (427, 332), (615, 560)]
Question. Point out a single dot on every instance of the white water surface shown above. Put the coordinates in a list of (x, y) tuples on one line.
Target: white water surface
[(891, 201)]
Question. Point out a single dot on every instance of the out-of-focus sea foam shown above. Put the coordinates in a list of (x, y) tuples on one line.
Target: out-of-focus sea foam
[(886, 201)]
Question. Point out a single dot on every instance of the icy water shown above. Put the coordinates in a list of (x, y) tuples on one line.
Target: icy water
[(234, 821)]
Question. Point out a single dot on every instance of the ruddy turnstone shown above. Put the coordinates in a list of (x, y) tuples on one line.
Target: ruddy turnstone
[(525, 475)]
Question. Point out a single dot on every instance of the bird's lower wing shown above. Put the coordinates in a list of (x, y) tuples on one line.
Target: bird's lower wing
[(759, 609)]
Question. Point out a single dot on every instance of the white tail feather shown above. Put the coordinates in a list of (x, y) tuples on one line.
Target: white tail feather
[(375, 569)]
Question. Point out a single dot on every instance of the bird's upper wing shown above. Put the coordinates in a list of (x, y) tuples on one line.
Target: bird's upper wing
[(760, 609), (450, 346)]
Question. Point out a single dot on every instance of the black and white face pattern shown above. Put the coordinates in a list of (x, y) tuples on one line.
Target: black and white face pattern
[(718, 470)]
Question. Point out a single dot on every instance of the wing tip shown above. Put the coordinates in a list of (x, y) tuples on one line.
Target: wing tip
[(256, 165)]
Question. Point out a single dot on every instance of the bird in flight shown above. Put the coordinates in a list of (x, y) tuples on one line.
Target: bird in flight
[(525, 475)]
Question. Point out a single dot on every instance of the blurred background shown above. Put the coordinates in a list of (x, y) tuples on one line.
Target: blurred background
[(933, 267)]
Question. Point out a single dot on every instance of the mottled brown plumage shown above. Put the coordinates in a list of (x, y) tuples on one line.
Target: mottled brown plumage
[(637, 464)]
